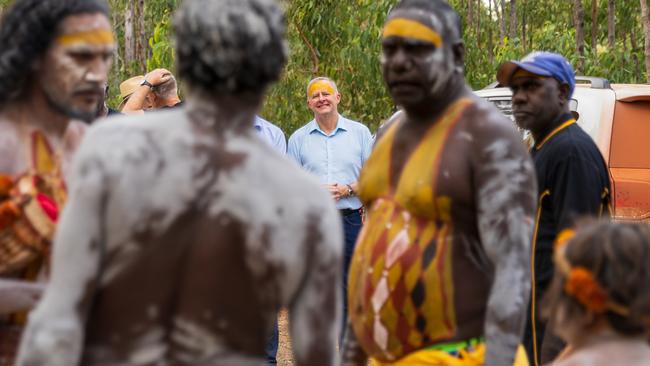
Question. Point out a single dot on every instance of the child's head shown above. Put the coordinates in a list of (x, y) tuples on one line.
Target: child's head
[(602, 277)]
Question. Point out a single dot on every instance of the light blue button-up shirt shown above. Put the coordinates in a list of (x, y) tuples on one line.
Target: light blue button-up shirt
[(272, 134), (334, 158)]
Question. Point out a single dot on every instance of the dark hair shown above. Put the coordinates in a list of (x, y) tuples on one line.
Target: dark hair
[(618, 255), (27, 30), (230, 46), (452, 22)]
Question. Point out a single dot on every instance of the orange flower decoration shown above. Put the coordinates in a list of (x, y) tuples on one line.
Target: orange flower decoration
[(6, 184), (563, 238), (9, 212), (583, 287)]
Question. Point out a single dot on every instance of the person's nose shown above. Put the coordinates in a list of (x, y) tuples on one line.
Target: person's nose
[(400, 60)]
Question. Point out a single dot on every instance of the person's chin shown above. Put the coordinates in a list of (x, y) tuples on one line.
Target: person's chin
[(83, 115)]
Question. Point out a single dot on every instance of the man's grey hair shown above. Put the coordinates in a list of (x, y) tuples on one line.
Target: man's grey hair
[(230, 46), (168, 89), (336, 89)]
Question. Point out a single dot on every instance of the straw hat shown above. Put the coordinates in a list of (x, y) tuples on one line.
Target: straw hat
[(129, 86)]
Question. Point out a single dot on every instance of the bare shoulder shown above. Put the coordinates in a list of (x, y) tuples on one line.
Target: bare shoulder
[(397, 117), (481, 117), (114, 140)]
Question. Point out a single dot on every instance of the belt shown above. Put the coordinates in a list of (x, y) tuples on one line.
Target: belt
[(349, 211), (454, 347)]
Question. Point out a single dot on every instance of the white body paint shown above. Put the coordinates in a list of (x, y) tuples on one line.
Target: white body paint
[(123, 184)]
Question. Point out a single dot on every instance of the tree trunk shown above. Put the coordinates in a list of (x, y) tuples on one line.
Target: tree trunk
[(141, 43), (513, 19), (578, 20), (611, 25), (634, 46), (470, 13), (129, 42), (523, 25), (490, 44), (502, 20), (594, 24), (646, 33), (478, 20)]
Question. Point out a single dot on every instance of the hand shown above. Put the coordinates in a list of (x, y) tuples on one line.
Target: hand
[(337, 191), (158, 76), (18, 295)]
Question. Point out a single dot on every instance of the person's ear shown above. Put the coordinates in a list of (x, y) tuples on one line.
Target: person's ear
[(563, 91), (458, 50), (338, 97)]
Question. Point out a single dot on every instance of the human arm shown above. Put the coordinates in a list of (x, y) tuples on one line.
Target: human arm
[(55, 332), (505, 194), (18, 295), (352, 354), (315, 310), (135, 104), (280, 142)]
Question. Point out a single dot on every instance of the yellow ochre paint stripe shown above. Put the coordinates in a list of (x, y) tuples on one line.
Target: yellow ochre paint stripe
[(554, 132), (320, 85), (407, 28), (97, 37), (532, 268)]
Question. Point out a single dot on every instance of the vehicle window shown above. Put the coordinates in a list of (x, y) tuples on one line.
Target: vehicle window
[(630, 134)]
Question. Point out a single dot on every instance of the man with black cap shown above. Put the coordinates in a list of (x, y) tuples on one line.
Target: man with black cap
[(571, 172)]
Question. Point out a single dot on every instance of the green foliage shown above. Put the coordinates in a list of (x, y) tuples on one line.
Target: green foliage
[(341, 40), (162, 53)]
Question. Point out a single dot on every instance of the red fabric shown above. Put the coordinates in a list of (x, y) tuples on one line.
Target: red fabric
[(49, 206)]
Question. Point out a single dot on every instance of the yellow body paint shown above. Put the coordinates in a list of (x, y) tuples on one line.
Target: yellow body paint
[(407, 28), (321, 85), (95, 37)]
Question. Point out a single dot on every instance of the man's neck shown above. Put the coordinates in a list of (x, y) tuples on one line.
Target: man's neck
[(35, 112), (327, 121), (550, 127), (170, 102), (223, 113), (428, 111)]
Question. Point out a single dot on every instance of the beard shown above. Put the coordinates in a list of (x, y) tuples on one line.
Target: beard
[(68, 110)]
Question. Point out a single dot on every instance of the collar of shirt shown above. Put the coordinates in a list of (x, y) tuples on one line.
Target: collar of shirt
[(341, 124)]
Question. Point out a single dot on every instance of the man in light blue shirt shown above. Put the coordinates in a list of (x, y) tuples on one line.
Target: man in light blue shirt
[(334, 148), (271, 134), (274, 136)]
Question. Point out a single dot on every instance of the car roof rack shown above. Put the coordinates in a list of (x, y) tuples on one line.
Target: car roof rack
[(596, 82)]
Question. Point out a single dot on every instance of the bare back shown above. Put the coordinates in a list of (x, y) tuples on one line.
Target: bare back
[(198, 240)]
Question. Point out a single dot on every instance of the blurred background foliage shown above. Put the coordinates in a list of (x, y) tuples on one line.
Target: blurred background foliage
[(341, 40)]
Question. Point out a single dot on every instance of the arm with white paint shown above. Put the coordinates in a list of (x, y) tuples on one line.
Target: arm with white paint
[(315, 310), (352, 354), (55, 332), (505, 193)]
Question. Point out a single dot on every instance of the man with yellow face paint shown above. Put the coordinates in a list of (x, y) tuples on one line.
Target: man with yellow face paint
[(334, 148), (54, 62), (441, 272)]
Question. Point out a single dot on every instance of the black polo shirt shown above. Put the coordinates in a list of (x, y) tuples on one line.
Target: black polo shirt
[(573, 182)]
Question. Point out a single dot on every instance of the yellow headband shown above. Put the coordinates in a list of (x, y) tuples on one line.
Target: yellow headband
[(320, 85), (521, 73), (406, 28), (94, 37)]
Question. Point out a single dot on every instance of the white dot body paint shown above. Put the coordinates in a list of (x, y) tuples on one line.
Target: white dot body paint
[(135, 175)]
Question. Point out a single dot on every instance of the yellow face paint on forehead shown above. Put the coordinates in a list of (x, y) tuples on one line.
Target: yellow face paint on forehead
[(320, 85), (95, 37), (407, 28), (521, 73)]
